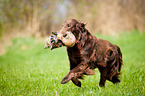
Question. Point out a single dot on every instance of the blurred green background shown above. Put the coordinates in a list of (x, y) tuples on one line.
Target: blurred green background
[(27, 69), (38, 18)]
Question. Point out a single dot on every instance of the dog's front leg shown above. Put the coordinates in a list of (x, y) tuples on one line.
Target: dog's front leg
[(76, 82), (74, 74)]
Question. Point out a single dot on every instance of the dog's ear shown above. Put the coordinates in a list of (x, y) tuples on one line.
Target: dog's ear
[(83, 24)]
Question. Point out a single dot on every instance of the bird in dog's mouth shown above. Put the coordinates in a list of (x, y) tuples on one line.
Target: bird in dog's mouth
[(58, 39)]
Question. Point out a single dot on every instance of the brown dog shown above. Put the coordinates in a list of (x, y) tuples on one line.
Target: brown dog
[(86, 52)]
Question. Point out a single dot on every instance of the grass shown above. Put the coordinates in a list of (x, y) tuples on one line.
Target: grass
[(29, 70)]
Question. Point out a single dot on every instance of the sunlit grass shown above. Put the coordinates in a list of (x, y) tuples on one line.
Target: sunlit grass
[(28, 69)]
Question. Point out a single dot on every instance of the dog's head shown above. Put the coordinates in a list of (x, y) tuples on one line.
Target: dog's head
[(68, 35)]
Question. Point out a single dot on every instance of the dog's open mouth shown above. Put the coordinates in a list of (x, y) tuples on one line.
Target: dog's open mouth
[(58, 40)]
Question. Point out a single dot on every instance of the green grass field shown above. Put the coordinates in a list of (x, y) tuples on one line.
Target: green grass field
[(27, 69)]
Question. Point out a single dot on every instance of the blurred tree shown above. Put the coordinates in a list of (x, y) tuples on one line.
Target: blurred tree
[(43, 16), (24, 13)]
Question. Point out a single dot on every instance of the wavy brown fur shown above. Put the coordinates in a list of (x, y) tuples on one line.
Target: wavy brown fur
[(89, 53)]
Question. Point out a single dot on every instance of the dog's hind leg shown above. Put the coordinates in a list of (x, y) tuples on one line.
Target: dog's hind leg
[(115, 79), (103, 72)]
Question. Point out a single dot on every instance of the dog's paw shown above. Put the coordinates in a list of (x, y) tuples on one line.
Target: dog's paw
[(76, 82)]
